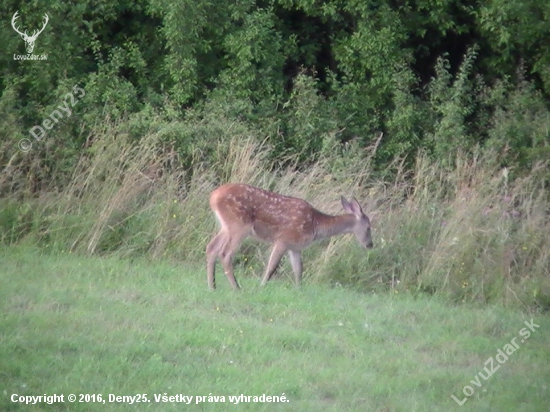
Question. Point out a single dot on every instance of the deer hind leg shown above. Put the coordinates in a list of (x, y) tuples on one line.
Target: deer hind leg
[(213, 250), (277, 253), (227, 253), (296, 262)]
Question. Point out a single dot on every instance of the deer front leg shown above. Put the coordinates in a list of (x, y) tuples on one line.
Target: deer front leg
[(277, 253), (296, 262)]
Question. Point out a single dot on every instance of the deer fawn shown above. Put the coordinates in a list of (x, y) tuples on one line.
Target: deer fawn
[(288, 223)]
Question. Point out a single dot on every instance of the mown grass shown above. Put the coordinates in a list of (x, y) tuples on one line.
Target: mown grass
[(105, 325)]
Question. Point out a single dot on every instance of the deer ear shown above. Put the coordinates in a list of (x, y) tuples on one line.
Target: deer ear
[(356, 207), (345, 204), (352, 207)]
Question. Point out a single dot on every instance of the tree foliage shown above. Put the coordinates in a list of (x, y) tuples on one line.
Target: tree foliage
[(432, 75)]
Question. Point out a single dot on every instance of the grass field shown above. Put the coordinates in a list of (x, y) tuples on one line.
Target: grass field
[(76, 325)]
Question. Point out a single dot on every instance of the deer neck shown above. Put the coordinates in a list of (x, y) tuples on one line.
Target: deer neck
[(328, 226)]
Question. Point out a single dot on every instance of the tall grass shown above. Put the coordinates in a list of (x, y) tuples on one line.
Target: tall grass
[(468, 232)]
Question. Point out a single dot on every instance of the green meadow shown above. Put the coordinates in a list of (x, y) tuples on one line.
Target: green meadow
[(124, 327)]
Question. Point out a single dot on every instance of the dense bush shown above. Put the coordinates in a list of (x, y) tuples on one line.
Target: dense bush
[(437, 76)]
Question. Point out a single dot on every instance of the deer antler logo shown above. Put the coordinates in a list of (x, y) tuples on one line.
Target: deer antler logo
[(29, 40)]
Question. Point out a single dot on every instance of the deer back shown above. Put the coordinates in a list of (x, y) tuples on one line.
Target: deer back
[(267, 215)]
